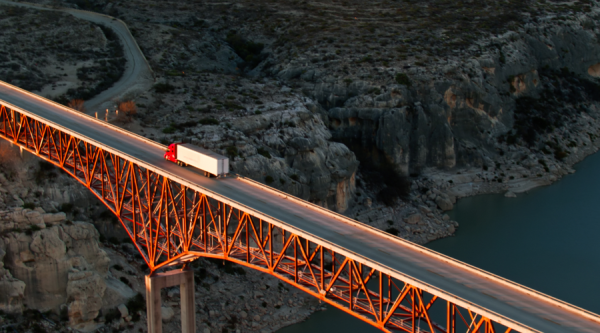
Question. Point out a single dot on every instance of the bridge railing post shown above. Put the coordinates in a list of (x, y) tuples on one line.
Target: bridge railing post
[(157, 281)]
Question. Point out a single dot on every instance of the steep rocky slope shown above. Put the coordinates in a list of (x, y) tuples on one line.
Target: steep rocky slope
[(50, 262)]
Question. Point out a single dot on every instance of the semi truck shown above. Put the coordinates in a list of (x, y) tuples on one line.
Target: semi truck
[(184, 154)]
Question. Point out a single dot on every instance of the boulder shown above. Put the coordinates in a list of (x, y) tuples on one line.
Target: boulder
[(303, 162), (54, 218), (451, 229), (86, 290), (82, 238), (510, 194), (116, 292), (23, 218), (413, 219), (444, 203), (123, 310), (167, 314)]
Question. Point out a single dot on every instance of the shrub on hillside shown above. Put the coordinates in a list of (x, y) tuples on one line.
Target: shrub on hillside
[(249, 51), (76, 104), (163, 88), (402, 78), (127, 110)]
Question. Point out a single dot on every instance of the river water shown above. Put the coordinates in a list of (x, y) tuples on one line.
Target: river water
[(547, 239)]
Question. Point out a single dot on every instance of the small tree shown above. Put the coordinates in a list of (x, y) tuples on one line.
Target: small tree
[(77, 104), (127, 110), (402, 78)]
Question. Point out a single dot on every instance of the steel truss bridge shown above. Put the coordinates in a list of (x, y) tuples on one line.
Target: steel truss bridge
[(175, 215)]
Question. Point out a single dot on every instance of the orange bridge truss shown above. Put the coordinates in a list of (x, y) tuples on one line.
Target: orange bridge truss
[(171, 225)]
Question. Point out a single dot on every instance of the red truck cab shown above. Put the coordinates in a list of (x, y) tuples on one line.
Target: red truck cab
[(171, 154)]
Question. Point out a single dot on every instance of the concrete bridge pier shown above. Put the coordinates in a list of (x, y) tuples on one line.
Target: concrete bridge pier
[(157, 281)]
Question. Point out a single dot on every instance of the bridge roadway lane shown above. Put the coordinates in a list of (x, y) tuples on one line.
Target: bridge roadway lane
[(503, 301)]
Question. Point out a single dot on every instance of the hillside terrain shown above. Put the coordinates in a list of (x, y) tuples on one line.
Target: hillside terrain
[(387, 112), (56, 55)]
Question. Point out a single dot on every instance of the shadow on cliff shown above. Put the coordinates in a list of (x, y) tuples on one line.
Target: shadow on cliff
[(379, 173)]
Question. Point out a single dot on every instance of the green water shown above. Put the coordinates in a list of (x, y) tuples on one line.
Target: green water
[(547, 239)]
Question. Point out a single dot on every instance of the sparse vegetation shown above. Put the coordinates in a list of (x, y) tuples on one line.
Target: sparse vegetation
[(209, 121), (127, 110), (112, 315), (46, 171), (232, 151), (163, 88), (262, 151), (269, 180), (392, 231), (77, 104), (135, 305), (249, 51), (66, 207), (402, 78), (228, 267), (536, 116)]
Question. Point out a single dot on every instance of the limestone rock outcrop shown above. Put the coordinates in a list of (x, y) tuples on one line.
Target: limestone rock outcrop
[(290, 151), (49, 260), (11, 290), (450, 114), (85, 290)]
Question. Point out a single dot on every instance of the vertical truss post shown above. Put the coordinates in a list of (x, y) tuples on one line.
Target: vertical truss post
[(450, 318)]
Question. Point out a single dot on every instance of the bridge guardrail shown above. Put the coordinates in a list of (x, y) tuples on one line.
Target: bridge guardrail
[(84, 115)]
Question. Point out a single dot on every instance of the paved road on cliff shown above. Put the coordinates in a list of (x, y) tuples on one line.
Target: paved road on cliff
[(138, 75)]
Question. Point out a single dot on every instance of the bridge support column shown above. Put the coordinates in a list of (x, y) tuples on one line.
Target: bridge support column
[(185, 280)]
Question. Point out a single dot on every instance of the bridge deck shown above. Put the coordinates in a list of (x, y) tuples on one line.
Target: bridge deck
[(503, 301)]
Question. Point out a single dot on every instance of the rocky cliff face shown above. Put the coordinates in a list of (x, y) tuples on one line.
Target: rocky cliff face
[(453, 120), (12, 290), (48, 262), (270, 134), (299, 158), (60, 264)]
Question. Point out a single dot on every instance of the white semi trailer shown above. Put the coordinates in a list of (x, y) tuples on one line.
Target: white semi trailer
[(187, 154)]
